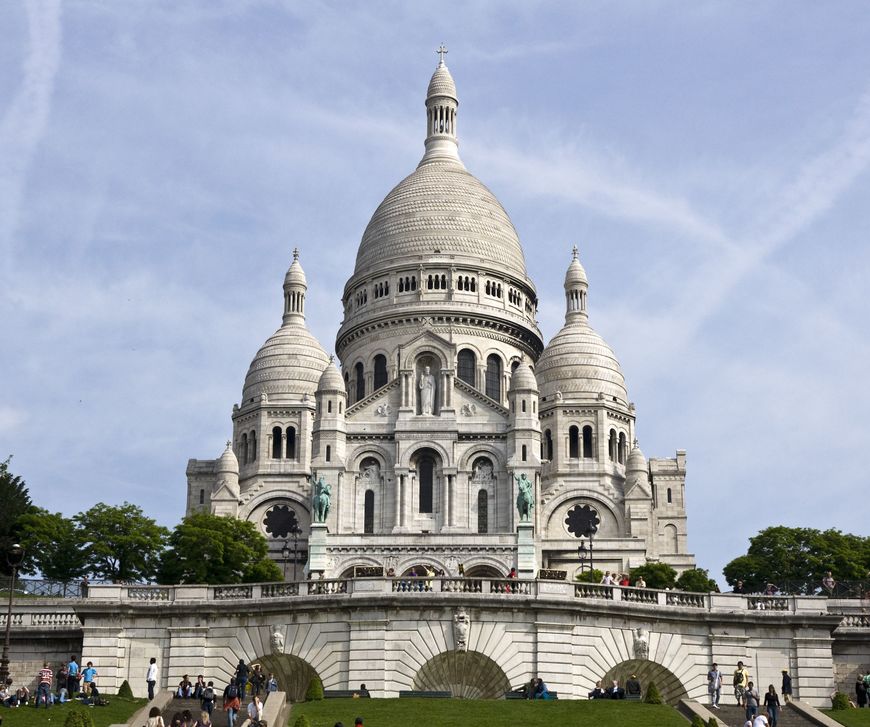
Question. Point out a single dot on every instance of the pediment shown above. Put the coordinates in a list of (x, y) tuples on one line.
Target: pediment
[(477, 403), (224, 492), (638, 489), (426, 341), (381, 404)]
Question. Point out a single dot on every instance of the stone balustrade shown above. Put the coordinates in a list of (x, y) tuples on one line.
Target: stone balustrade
[(417, 587), (42, 619)]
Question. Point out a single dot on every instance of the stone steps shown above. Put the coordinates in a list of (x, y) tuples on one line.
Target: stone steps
[(730, 715)]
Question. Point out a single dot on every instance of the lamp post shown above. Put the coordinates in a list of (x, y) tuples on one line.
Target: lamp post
[(582, 555), (285, 556), (14, 558), (295, 532)]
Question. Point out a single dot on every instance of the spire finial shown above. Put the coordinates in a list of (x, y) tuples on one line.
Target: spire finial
[(635, 443), (331, 358), (296, 253), (441, 51), (229, 443), (574, 252)]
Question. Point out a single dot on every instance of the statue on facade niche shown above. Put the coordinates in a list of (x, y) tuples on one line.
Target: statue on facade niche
[(461, 625), (320, 500), (277, 642), (427, 392), (525, 498), (641, 644)]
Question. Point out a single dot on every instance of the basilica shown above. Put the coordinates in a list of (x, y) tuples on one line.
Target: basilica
[(447, 436)]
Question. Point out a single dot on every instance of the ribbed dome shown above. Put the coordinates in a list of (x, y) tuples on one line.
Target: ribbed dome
[(523, 378), (636, 461), (441, 207), (295, 274), (330, 379), (441, 84), (287, 366), (227, 462), (575, 275), (578, 363)]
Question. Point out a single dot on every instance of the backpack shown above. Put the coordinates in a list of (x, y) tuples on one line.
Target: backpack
[(738, 678), (232, 691), (208, 694)]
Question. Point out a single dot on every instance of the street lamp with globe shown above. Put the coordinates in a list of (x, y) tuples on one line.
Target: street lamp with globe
[(14, 558)]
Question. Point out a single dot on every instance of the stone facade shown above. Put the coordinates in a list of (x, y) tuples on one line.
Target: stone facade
[(445, 398)]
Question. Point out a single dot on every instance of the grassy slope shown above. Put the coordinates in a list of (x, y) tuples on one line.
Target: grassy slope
[(849, 717), (117, 711), (485, 713)]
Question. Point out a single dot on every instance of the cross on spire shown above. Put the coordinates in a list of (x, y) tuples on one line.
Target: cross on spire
[(295, 254), (575, 252), (441, 51)]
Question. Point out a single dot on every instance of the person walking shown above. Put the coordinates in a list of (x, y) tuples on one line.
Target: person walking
[(741, 679), (232, 704), (772, 705), (714, 685), (751, 701), (242, 679), (786, 686), (151, 677), (43, 688), (860, 692)]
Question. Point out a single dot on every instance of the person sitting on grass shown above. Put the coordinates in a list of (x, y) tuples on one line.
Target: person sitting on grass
[(633, 688), (615, 691), (598, 692), (541, 690)]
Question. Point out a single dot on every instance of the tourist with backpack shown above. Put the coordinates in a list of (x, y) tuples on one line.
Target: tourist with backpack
[(242, 678), (741, 680), (208, 698), (232, 704)]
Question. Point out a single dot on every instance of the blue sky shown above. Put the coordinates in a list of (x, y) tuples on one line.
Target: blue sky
[(159, 161)]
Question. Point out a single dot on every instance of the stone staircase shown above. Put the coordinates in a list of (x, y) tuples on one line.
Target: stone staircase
[(177, 705), (730, 715)]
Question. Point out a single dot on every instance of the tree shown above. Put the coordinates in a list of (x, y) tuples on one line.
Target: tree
[(16, 503), (121, 543), (590, 576), (656, 575), (55, 544), (207, 548), (652, 695), (696, 580), (796, 559)]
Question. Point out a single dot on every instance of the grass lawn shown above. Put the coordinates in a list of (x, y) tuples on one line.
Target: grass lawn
[(849, 717), (485, 713), (117, 711)]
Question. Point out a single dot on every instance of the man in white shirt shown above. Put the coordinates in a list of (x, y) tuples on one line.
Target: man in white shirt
[(760, 721), (151, 677), (714, 685)]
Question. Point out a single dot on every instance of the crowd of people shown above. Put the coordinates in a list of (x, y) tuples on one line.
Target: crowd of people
[(632, 689), (748, 697), (621, 579), (71, 681)]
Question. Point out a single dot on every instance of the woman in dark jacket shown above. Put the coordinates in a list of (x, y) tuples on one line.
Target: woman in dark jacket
[(860, 692)]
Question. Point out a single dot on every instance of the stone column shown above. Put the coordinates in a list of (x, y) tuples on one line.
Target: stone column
[(527, 561), (317, 557), (451, 489)]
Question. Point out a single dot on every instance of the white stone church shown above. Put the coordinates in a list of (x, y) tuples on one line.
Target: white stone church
[(445, 396)]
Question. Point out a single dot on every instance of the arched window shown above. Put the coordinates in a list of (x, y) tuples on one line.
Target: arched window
[(369, 512), (291, 443), (244, 449), (202, 497), (252, 444), (587, 442), (328, 453), (524, 453), (401, 285), (380, 371), (360, 381), (276, 443), (466, 366), (482, 512), (672, 539), (426, 481), (670, 496), (493, 377), (548, 441), (573, 442), (611, 445), (524, 406), (621, 452)]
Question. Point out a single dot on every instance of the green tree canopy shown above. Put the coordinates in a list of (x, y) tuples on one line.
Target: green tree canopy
[(206, 548), (798, 558), (121, 543), (16, 503), (656, 575), (55, 544), (696, 580)]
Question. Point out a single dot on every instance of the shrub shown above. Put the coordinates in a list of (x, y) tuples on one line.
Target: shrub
[(302, 721), (314, 692), (697, 721), (78, 718), (591, 576), (652, 695), (840, 701), (712, 722), (124, 691)]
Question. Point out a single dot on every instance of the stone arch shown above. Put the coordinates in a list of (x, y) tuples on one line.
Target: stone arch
[(293, 674), (428, 347), (369, 449), (408, 454), (256, 509), (465, 674), (482, 450), (648, 672), (610, 515), (484, 570), (418, 562)]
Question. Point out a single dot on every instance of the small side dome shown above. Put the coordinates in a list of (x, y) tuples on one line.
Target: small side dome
[(523, 378), (330, 379), (227, 463), (575, 275), (295, 274), (636, 461)]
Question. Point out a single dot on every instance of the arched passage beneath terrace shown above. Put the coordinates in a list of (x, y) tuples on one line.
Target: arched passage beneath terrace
[(465, 674), (293, 674), (648, 672)]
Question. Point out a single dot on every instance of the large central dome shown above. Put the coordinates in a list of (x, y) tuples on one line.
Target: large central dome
[(441, 209)]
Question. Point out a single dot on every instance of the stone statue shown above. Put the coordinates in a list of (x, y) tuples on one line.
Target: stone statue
[(427, 391), (320, 500), (277, 642), (525, 498), (641, 644), (461, 624), (482, 472)]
